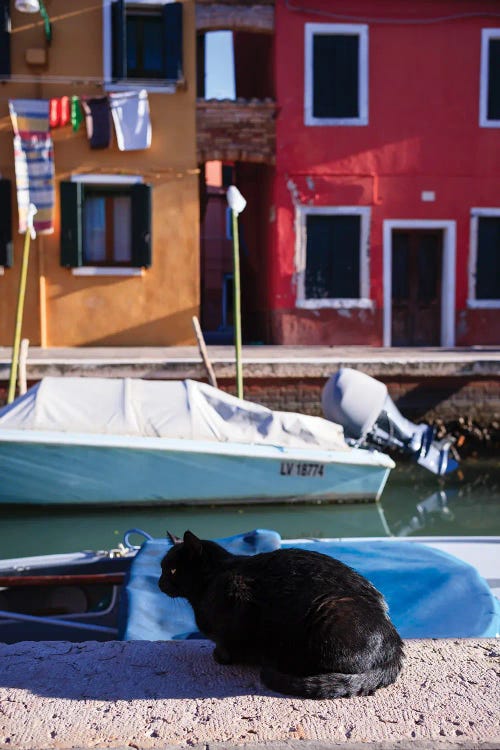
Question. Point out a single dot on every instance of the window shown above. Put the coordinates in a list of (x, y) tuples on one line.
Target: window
[(332, 257), (484, 266), (5, 37), (143, 42), (105, 225), (489, 98), (6, 254), (336, 74)]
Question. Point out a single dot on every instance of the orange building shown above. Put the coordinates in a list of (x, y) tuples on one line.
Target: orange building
[(119, 263)]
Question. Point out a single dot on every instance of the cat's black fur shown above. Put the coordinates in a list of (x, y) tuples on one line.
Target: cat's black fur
[(317, 628)]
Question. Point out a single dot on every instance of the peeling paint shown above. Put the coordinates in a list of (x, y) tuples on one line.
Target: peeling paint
[(294, 191)]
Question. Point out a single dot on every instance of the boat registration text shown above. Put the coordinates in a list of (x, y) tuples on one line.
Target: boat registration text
[(299, 469)]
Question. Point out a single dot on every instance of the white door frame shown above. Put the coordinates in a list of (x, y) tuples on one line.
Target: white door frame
[(447, 275)]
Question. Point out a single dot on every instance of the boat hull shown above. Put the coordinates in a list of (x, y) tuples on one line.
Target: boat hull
[(61, 469)]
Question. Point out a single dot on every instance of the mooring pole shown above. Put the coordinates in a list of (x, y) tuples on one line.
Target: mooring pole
[(236, 203), (29, 234)]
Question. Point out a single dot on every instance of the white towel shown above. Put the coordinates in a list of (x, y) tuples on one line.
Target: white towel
[(130, 111)]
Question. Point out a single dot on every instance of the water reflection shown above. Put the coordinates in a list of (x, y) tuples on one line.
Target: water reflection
[(414, 502)]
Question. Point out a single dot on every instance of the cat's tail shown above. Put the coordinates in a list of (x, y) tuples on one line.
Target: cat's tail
[(331, 684)]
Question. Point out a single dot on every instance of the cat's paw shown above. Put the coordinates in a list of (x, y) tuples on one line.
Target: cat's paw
[(221, 655)]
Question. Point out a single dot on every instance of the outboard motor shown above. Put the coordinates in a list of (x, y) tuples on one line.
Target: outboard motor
[(368, 415)]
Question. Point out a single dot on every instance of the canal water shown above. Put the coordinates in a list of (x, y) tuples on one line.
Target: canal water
[(413, 503)]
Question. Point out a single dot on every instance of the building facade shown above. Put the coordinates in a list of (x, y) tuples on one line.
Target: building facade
[(119, 262), (385, 215)]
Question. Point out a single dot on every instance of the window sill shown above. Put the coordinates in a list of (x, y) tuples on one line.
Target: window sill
[(362, 303), (106, 271), (483, 304), (334, 123), (151, 87)]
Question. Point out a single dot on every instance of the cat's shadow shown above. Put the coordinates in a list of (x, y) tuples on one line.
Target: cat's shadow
[(137, 670)]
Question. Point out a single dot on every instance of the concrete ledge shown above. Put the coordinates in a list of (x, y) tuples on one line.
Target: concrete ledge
[(156, 695), (258, 362)]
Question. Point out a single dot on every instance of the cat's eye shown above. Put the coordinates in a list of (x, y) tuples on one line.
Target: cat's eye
[(172, 571)]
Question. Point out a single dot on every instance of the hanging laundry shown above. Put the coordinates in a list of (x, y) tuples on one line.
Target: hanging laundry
[(29, 116), (130, 111), (97, 121), (54, 113), (34, 162), (65, 111), (76, 113)]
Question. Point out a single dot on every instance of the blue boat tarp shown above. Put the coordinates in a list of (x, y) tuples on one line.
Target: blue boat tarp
[(430, 593)]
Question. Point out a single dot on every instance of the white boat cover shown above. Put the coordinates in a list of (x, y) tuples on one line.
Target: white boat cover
[(166, 409)]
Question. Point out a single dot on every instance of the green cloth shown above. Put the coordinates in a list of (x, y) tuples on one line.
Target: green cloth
[(76, 113)]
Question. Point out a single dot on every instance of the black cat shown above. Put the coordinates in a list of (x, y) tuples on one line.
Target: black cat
[(317, 628)]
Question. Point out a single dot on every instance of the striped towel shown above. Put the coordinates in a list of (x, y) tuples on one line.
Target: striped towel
[(34, 162)]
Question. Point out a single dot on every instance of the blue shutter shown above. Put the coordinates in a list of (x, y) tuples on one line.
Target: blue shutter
[(4, 38), (71, 224), (6, 255), (141, 225), (172, 26), (118, 40)]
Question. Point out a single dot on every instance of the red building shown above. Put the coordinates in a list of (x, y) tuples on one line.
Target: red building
[(384, 219)]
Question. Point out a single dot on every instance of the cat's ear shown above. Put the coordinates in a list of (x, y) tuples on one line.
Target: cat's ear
[(193, 544), (174, 539)]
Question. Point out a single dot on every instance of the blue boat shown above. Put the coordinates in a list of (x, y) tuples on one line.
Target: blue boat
[(103, 441), (435, 588)]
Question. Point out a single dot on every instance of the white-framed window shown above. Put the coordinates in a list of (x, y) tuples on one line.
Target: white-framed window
[(105, 225), (331, 257), (336, 74), (489, 90), (484, 258), (142, 44)]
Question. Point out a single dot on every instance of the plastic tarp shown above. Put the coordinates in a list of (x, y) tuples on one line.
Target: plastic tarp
[(167, 409), (430, 593)]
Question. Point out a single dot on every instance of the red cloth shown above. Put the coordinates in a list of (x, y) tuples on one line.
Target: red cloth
[(54, 113), (65, 111)]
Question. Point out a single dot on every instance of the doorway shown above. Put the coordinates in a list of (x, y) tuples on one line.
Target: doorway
[(416, 287), (419, 283), (216, 256)]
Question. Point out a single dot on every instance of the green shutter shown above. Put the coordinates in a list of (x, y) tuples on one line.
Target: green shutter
[(118, 40), (141, 225), (4, 38), (71, 224), (172, 27), (6, 254)]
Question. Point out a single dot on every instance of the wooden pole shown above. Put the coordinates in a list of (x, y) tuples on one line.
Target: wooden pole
[(23, 359), (237, 306), (203, 351), (20, 306)]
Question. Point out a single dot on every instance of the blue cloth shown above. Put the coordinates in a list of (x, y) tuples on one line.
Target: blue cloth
[(430, 594), (148, 613)]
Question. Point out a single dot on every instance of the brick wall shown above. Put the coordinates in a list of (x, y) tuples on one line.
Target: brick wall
[(235, 17), (466, 408), (241, 130)]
